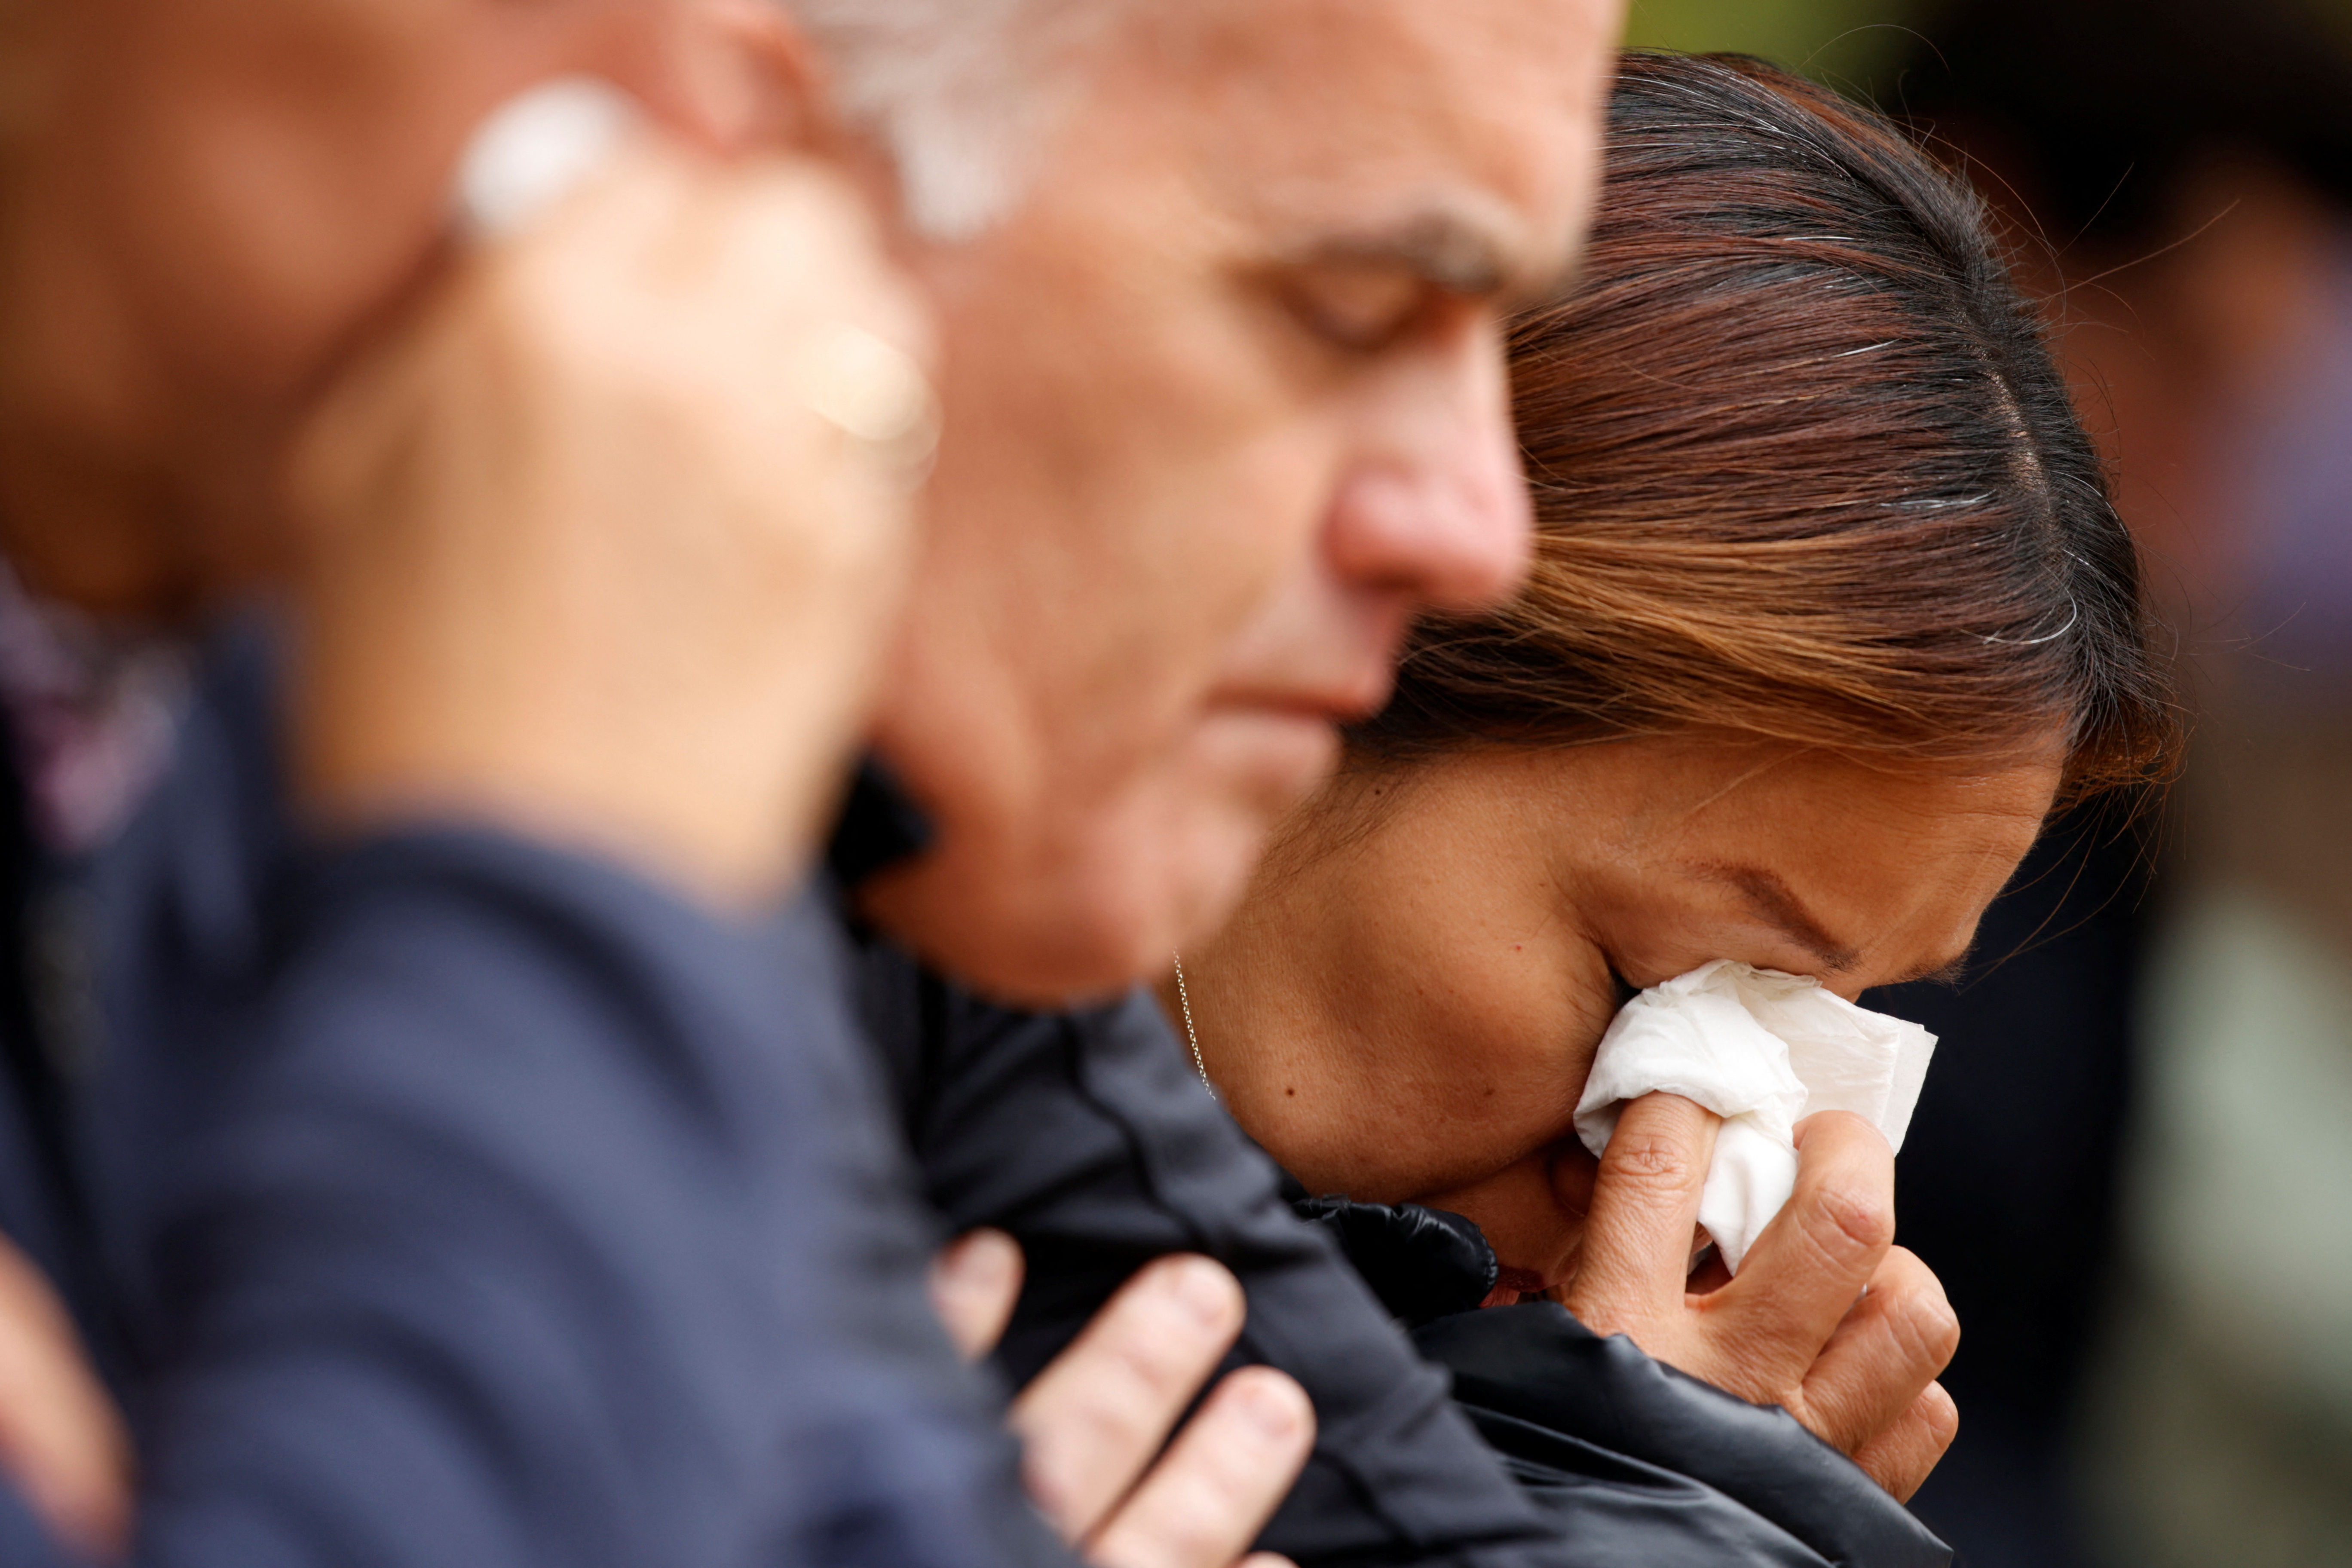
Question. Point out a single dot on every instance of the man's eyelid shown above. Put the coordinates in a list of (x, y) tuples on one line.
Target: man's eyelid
[(1468, 274), (1402, 283), (1388, 319)]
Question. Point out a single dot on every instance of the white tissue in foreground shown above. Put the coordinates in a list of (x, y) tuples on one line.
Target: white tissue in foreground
[(1763, 1050)]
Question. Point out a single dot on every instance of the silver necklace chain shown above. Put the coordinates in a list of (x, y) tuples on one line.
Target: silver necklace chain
[(1184, 1001)]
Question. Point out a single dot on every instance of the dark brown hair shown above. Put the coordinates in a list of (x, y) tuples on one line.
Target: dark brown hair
[(1802, 468)]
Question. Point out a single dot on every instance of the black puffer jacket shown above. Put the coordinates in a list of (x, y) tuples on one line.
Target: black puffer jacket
[(1641, 1463)]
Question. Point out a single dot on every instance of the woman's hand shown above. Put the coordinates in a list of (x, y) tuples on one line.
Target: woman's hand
[(1827, 1318), (1093, 1424)]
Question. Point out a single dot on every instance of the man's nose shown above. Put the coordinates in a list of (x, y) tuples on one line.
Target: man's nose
[(1437, 507)]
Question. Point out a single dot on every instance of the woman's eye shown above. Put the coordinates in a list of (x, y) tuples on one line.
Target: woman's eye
[(1360, 309)]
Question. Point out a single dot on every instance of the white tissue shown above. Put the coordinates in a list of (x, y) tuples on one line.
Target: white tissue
[(537, 150), (1763, 1050)]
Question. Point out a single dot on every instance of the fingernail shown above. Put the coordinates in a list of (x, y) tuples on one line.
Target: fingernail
[(538, 149), (1273, 1406), (988, 1259), (1204, 1288)]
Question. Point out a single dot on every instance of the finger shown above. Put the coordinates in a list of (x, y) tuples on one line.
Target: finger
[(1637, 1235), (788, 255), (1266, 1559), (1806, 1270), (1901, 1457), (61, 1441), (1895, 1341), (1093, 1420), (1205, 1501), (975, 1282), (798, 214), (642, 220), (630, 214)]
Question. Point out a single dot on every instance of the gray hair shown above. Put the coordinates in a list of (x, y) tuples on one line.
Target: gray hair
[(959, 92)]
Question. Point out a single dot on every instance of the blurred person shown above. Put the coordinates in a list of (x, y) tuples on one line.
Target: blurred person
[(1803, 704), (469, 1167), (2095, 1164)]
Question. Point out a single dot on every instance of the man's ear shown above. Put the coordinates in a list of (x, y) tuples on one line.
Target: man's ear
[(739, 77), (751, 78)]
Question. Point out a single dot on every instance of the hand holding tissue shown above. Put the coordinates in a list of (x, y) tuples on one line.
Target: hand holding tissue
[(1763, 1050)]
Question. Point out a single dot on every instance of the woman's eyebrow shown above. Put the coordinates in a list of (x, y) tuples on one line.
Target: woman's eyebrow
[(1772, 899)]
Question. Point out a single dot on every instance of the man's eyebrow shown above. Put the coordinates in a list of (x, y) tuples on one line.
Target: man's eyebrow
[(1771, 898), (1460, 246)]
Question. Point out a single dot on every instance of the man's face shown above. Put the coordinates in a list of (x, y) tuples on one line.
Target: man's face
[(1226, 405), (212, 202)]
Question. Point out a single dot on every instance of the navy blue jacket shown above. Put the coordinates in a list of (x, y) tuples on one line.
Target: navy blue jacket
[(458, 1201)]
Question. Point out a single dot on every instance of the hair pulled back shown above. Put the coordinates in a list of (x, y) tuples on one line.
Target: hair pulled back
[(1803, 469)]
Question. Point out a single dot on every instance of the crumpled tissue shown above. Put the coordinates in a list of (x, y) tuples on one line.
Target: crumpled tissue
[(1763, 1050)]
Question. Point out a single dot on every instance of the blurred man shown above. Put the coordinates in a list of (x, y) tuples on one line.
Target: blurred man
[(512, 1202)]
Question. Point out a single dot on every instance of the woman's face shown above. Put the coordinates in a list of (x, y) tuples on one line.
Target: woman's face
[(1408, 1004)]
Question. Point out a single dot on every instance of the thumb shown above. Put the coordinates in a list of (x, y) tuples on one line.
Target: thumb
[(1636, 1252)]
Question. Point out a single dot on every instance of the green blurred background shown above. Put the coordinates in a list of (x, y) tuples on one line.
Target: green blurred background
[(1849, 44)]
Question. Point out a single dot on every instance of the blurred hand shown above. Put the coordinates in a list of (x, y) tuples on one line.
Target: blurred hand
[(1093, 1423), (591, 548), (62, 1444), (1827, 1317)]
